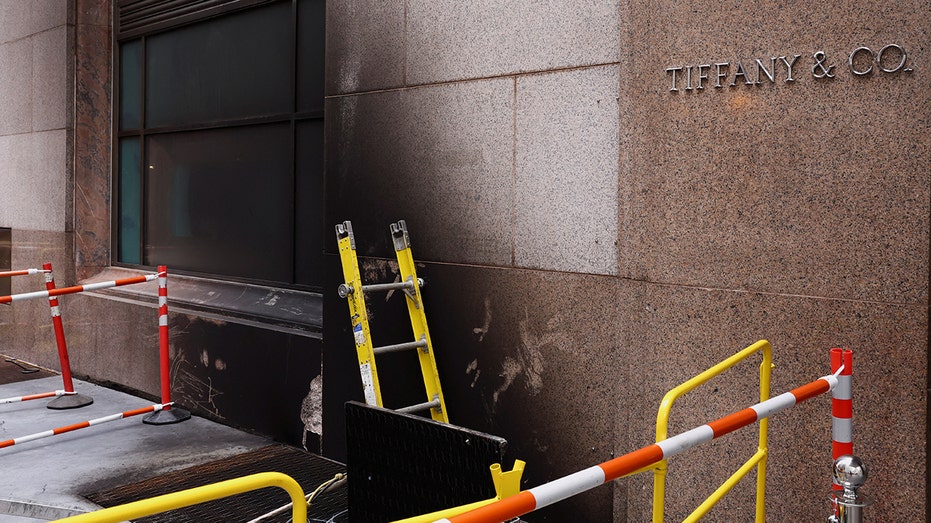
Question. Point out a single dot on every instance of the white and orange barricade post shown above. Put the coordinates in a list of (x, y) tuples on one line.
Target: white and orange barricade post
[(71, 399), (177, 414), (842, 405), (567, 486), (849, 471), (65, 396), (168, 414)]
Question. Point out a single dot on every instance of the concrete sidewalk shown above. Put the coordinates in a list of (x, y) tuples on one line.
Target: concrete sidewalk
[(47, 479)]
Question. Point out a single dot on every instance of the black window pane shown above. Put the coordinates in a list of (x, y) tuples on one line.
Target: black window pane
[(220, 201), (131, 85), (309, 199), (236, 66), (310, 55), (130, 233)]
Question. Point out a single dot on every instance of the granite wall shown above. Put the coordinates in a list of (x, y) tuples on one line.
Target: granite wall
[(595, 228), (36, 43)]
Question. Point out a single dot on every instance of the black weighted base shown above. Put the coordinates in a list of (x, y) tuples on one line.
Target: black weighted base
[(70, 401), (165, 417)]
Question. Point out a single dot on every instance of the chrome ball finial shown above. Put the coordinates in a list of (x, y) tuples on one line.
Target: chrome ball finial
[(850, 472)]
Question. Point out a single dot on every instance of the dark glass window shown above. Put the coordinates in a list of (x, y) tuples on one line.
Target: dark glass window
[(194, 222), (131, 85), (220, 144), (130, 184), (233, 67)]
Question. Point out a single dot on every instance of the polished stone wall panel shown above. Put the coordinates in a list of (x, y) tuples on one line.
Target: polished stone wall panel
[(449, 40), (22, 19), (33, 164), (440, 158), (566, 203), (16, 84), (51, 77), (365, 45), (808, 187), (92, 149)]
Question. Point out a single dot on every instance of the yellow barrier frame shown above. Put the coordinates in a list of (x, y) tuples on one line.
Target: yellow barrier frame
[(506, 484), (185, 498), (758, 460)]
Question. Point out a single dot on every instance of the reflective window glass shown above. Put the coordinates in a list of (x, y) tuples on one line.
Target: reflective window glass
[(130, 205), (219, 201), (235, 66), (131, 85)]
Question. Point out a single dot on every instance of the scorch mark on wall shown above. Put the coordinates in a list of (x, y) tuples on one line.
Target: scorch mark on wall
[(483, 330), (526, 365)]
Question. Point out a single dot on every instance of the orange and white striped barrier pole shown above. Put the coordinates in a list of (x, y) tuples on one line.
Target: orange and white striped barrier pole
[(842, 405), (168, 414), (849, 471), (76, 289), (67, 398), (567, 486), (23, 272), (72, 400), (82, 425), (28, 397)]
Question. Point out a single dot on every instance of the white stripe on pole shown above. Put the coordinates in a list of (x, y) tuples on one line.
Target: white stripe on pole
[(686, 440), (843, 391), (566, 486), (842, 428), (766, 408)]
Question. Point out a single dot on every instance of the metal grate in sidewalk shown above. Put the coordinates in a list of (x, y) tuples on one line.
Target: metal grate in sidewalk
[(309, 470)]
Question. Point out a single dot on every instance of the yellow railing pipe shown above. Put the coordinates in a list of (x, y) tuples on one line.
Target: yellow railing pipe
[(697, 514), (185, 498), (662, 426)]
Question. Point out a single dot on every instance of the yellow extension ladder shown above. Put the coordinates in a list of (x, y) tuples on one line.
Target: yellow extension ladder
[(353, 290)]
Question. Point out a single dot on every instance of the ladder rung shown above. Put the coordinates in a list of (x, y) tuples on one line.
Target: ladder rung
[(400, 346), (421, 406), (376, 287)]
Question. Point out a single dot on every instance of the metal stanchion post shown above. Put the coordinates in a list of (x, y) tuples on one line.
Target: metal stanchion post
[(849, 473)]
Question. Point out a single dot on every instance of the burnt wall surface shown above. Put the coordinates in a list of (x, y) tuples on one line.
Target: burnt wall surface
[(608, 197)]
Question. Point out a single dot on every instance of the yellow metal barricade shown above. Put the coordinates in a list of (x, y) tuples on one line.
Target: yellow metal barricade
[(185, 498), (758, 459)]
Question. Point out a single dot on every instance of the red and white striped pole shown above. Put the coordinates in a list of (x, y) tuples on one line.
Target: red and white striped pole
[(842, 406), (842, 403), (71, 400), (76, 289), (168, 414), (562, 488), (82, 425), (24, 272), (38, 396)]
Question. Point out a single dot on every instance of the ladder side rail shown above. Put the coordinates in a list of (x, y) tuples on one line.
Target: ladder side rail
[(418, 318), (362, 336)]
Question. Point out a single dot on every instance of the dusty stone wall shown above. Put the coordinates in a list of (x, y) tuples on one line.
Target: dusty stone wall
[(596, 230)]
